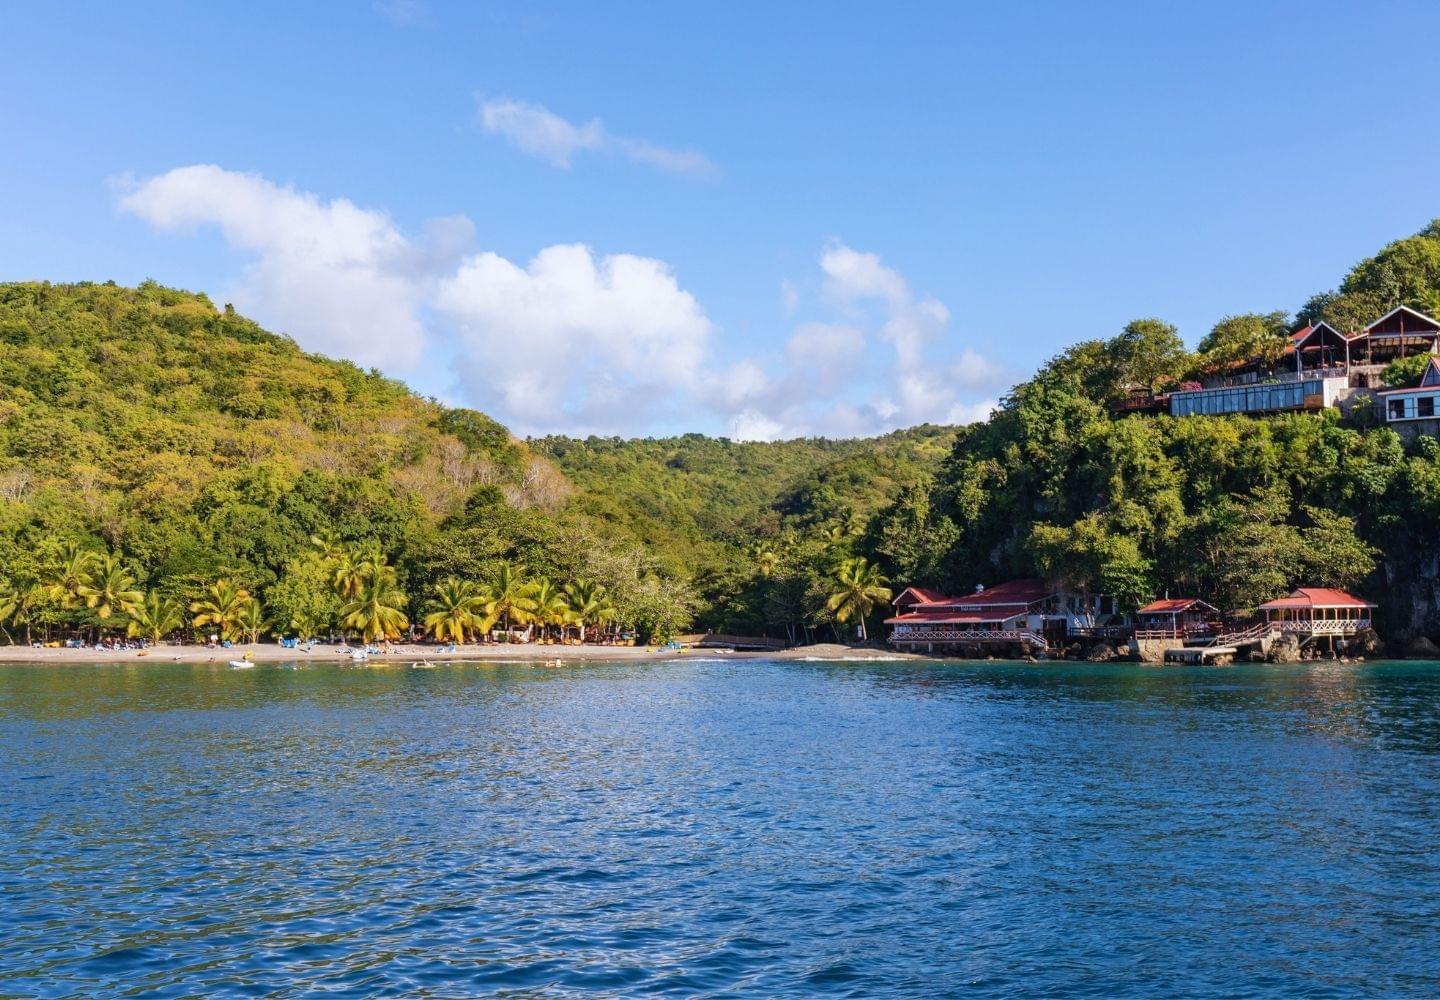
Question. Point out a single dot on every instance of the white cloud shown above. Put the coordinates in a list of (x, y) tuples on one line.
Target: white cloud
[(840, 381), (850, 275), (825, 346), (537, 131), (752, 425), (573, 340), (338, 278)]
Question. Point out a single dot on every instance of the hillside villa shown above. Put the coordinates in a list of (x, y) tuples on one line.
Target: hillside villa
[(1407, 405), (1320, 367)]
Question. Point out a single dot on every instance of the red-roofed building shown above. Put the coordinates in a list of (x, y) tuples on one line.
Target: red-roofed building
[(1320, 367), (1320, 349), (1028, 613), (1176, 618), (1315, 611)]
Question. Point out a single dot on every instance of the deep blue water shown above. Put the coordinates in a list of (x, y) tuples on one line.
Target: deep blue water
[(710, 827)]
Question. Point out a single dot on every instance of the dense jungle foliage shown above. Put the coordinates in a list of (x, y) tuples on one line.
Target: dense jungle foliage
[(173, 447), (1235, 509)]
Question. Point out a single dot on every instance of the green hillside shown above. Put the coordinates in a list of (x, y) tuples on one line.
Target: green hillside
[(195, 446), (1236, 509), (169, 445)]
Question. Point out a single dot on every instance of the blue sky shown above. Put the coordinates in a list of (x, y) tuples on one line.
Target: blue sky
[(754, 219)]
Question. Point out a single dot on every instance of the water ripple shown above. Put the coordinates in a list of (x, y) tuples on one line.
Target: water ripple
[(720, 828)]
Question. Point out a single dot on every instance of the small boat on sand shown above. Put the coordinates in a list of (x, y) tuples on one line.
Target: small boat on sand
[(422, 665), (241, 664)]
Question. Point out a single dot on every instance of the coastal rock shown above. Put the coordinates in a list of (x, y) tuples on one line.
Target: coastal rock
[(1366, 642), (1285, 649), (1103, 652), (1421, 648)]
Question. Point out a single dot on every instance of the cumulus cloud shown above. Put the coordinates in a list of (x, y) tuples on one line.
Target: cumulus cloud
[(338, 278), (537, 131), (574, 340), (893, 342)]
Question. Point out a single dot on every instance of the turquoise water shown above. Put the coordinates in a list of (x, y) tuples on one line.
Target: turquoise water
[(711, 827)]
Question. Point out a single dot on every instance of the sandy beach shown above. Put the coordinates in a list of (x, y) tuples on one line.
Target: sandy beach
[(402, 653)]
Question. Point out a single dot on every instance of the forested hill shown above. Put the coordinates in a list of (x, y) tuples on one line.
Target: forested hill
[(188, 445), (1233, 509), (195, 446)]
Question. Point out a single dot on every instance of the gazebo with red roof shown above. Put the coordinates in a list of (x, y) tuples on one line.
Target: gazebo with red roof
[(1315, 611)]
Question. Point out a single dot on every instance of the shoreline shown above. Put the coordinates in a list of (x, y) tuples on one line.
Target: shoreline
[(407, 653), (270, 653)]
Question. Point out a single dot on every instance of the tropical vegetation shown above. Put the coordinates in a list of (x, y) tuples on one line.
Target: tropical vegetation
[(169, 468)]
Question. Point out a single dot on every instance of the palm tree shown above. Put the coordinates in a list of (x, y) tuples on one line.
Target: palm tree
[(155, 617), (510, 599), (766, 557), (551, 606), (221, 607), (250, 622), (375, 612), (327, 543), (354, 565), (18, 603), (109, 587), (589, 603), (69, 575), (859, 587), (459, 611)]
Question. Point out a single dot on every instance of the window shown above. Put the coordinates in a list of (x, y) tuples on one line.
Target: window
[(1425, 406), (1395, 410)]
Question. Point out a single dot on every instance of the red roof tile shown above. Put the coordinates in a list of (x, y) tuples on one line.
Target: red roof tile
[(1316, 597), (1017, 592), (924, 596), (1014, 593), (1173, 605)]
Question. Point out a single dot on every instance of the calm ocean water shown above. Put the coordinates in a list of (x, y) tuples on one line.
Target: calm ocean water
[(710, 827)]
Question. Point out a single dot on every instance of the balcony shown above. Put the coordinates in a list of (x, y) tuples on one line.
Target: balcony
[(1324, 626)]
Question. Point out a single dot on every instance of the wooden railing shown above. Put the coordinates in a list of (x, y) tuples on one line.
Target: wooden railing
[(1184, 632), (1257, 631), (1324, 626)]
